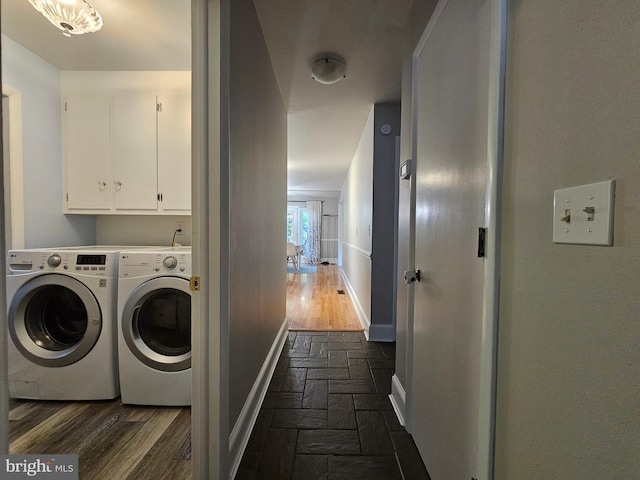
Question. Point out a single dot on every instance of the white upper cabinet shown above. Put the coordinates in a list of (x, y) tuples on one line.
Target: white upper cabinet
[(134, 151), (174, 152), (86, 139), (127, 152)]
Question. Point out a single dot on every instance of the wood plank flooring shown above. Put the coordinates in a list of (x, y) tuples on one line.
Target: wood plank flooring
[(314, 304), (112, 441)]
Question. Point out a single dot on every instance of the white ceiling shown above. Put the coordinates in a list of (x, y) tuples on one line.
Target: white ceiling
[(325, 121)]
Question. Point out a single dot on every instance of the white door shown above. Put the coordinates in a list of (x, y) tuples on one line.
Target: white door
[(452, 381)]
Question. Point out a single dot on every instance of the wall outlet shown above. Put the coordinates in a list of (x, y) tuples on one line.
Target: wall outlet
[(180, 226)]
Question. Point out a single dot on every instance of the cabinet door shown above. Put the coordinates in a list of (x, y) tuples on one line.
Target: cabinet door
[(133, 142), (174, 152), (87, 152)]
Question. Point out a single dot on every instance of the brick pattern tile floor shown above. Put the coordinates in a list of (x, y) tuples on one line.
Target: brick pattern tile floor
[(327, 415)]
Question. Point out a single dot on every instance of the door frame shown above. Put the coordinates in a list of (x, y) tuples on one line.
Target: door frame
[(493, 209)]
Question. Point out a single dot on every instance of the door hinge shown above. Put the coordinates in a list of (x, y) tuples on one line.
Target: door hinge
[(482, 233), (194, 284), (65, 106), (159, 107)]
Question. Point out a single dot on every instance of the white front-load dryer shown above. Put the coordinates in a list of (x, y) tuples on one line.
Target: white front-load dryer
[(61, 320), (154, 327)]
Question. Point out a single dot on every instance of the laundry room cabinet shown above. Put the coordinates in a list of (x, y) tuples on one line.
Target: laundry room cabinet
[(127, 152)]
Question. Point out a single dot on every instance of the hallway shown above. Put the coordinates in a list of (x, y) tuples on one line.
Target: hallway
[(314, 302), (327, 415)]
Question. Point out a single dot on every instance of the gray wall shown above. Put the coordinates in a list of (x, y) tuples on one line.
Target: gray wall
[(569, 345), (369, 199), (383, 234), (258, 204), (39, 84)]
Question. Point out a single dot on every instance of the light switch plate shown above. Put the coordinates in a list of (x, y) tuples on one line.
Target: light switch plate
[(572, 209)]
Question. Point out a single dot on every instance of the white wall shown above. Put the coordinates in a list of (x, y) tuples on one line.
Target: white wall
[(357, 195), (569, 346), (39, 84)]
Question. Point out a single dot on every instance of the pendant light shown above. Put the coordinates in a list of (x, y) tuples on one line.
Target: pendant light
[(73, 17)]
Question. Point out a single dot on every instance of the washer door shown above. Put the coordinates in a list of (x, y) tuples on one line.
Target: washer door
[(54, 320), (156, 323)]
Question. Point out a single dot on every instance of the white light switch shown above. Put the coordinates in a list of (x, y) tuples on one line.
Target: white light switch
[(584, 214)]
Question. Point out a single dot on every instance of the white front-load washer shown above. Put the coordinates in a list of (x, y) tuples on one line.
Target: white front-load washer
[(154, 327), (61, 319)]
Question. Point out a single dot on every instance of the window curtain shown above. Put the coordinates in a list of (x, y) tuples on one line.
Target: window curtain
[(314, 227)]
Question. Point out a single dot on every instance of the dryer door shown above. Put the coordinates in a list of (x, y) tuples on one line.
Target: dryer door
[(156, 323), (54, 320)]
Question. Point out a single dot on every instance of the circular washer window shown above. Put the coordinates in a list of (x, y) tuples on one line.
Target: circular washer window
[(54, 320), (156, 324)]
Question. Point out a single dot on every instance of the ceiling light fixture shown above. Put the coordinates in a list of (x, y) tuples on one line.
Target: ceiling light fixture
[(70, 16), (328, 70)]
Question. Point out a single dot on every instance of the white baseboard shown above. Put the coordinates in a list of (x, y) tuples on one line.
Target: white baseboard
[(362, 316), (398, 399), (244, 425)]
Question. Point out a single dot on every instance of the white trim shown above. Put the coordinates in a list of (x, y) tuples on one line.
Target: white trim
[(16, 182), (244, 425), (491, 294), (210, 233), (398, 399), (361, 251), (362, 316)]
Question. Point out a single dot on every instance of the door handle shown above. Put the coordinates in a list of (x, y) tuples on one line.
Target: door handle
[(411, 276)]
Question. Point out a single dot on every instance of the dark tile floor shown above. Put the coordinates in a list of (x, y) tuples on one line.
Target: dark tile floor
[(327, 415)]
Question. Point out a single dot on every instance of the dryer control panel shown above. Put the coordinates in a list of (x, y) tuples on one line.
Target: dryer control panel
[(137, 264)]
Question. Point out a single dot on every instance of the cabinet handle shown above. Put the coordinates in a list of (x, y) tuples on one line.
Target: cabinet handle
[(118, 185), (102, 184)]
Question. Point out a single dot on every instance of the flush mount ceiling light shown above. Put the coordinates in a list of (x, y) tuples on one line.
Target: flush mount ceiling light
[(73, 17), (328, 70)]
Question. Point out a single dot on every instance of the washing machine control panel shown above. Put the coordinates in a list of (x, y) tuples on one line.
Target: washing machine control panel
[(26, 261)]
